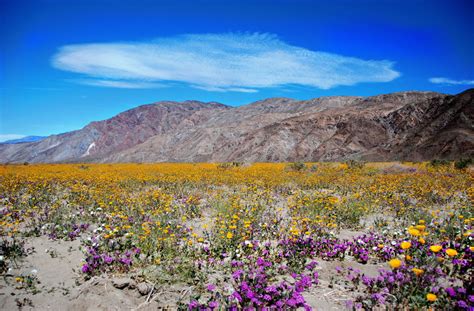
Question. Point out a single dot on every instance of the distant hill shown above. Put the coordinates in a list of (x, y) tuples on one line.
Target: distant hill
[(26, 139), (398, 126)]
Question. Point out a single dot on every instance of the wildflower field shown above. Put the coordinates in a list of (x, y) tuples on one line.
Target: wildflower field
[(254, 236)]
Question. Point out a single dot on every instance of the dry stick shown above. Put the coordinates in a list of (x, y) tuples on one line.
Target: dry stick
[(185, 292), (148, 297), (155, 296), (151, 292), (329, 293), (148, 302)]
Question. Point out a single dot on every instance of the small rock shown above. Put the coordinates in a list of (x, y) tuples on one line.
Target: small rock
[(121, 283), (143, 288), (132, 284)]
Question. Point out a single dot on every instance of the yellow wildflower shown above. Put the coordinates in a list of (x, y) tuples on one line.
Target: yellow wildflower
[(431, 297), (414, 231), (435, 248), (395, 263), (420, 227), (405, 245), (451, 252)]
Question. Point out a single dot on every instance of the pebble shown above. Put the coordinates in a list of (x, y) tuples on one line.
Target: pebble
[(121, 283), (143, 288)]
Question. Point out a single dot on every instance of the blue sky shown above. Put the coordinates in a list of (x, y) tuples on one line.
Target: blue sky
[(66, 63)]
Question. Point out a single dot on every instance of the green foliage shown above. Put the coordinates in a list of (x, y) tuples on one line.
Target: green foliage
[(355, 164), (296, 166), (10, 251), (229, 165), (462, 163), (438, 162)]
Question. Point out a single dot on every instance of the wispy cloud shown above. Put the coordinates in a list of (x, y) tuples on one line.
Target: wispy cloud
[(221, 89), (441, 80), (217, 62), (121, 84), (5, 137)]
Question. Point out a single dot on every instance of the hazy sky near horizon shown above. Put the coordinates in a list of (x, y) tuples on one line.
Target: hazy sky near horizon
[(64, 64)]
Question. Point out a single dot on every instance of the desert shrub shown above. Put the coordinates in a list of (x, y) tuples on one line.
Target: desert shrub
[(438, 162), (11, 250), (355, 164), (296, 166), (228, 165), (462, 163)]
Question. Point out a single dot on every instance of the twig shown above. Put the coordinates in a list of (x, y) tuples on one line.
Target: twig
[(329, 293), (185, 292), (148, 301), (154, 297), (149, 294)]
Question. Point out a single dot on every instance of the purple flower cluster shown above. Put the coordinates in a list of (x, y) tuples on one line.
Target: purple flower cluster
[(362, 247), (254, 288), (73, 231), (99, 262), (324, 247), (402, 284)]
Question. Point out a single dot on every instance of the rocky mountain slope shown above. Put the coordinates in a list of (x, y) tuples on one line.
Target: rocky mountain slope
[(398, 126)]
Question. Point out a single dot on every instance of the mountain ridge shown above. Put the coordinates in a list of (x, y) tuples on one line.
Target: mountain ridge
[(408, 125), (26, 139)]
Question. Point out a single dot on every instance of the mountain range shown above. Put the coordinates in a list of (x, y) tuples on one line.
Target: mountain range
[(410, 126), (26, 139)]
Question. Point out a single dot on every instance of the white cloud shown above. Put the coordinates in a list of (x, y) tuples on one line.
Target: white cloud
[(5, 137), (121, 84), (218, 62), (220, 89), (441, 80)]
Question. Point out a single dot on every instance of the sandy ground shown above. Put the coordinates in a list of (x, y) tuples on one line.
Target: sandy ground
[(330, 295), (56, 265)]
